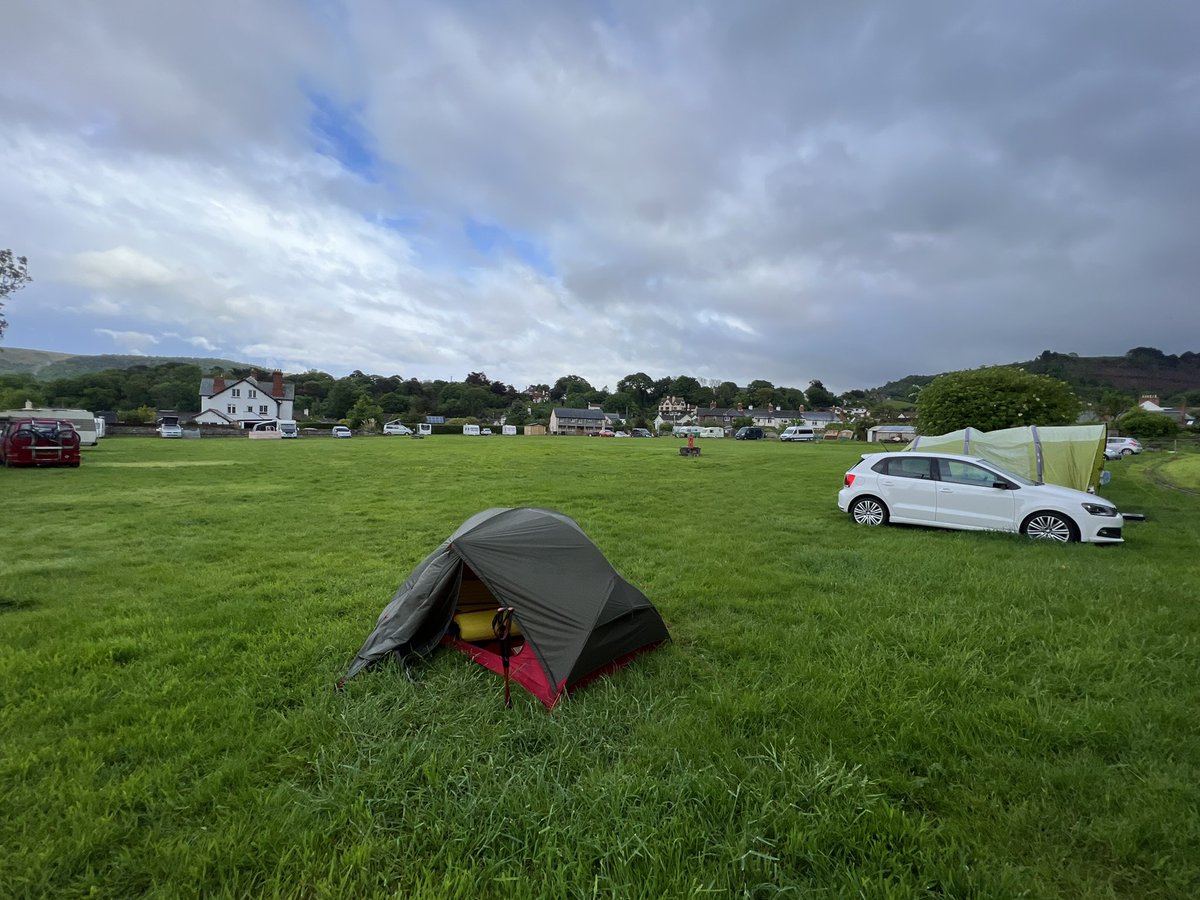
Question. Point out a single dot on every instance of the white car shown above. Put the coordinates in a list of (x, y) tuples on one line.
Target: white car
[(397, 427), (946, 490), (340, 431)]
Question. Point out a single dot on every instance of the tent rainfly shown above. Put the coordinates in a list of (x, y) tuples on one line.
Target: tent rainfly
[(1070, 455), (576, 617)]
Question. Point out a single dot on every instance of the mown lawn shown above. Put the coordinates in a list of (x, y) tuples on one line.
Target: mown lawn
[(895, 712)]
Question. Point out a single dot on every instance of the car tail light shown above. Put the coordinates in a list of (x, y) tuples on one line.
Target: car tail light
[(848, 480)]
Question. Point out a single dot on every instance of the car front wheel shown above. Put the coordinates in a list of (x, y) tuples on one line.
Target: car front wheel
[(1127, 452), (868, 511), (1049, 526)]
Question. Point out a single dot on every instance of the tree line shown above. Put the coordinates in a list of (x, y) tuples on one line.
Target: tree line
[(133, 391)]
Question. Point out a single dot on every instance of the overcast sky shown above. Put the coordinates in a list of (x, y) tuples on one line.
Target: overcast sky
[(851, 192)]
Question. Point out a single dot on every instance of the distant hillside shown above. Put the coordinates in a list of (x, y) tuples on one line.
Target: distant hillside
[(18, 361), (46, 365), (1142, 370)]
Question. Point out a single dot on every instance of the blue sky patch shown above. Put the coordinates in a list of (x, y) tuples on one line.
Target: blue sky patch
[(337, 133), (492, 240)]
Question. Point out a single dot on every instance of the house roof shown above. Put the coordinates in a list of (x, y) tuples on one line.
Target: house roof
[(565, 412), (819, 416), (289, 389)]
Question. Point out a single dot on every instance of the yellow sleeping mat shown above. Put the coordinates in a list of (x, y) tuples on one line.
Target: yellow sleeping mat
[(477, 626)]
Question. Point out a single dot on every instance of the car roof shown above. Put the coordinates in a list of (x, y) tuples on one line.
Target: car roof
[(959, 456)]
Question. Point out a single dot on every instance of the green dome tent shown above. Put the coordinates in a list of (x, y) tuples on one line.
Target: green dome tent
[(1070, 455), (577, 617)]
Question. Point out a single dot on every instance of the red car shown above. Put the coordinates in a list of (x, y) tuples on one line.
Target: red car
[(39, 442)]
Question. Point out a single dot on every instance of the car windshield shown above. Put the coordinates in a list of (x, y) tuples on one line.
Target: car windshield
[(1019, 479)]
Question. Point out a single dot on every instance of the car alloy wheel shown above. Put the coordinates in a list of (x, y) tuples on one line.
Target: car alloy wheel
[(868, 511), (1049, 527), (1126, 452)]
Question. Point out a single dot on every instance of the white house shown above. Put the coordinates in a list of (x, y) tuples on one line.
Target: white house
[(245, 401)]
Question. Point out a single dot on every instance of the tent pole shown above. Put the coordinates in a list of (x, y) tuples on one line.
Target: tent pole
[(502, 628)]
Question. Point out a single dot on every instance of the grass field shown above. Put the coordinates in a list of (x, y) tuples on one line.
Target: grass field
[(842, 711)]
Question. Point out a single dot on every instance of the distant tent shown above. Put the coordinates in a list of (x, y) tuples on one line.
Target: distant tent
[(577, 617), (1070, 455)]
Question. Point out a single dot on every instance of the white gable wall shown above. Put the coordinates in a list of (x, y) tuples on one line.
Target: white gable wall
[(243, 401)]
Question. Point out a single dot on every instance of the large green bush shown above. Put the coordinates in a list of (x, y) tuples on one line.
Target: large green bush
[(995, 397), (1143, 424)]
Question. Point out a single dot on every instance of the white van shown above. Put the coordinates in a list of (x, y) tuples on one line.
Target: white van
[(288, 428), (798, 433)]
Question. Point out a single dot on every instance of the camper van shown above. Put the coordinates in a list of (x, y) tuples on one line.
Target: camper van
[(682, 431), (798, 433), (288, 428)]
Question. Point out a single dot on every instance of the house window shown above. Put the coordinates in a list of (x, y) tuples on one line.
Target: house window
[(231, 409), (262, 410), (249, 409), (236, 392), (252, 394)]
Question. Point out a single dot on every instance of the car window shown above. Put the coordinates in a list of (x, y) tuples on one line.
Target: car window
[(959, 472), (906, 467)]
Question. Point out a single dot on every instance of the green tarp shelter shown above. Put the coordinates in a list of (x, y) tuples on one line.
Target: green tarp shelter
[(577, 617), (1070, 455)]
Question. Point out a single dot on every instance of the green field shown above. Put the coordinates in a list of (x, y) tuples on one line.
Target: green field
[(841, 712)]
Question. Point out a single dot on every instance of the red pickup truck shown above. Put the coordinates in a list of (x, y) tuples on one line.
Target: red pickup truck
[(38, 442)]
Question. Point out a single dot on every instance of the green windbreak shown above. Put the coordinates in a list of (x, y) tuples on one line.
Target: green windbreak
[(1070, 455)]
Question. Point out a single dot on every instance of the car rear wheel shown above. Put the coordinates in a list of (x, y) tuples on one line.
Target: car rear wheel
[(1126, 452), (868, 511), (1048, 526)]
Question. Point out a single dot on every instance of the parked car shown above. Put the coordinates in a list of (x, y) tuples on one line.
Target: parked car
[(485, 431), (946, 490), (1116, 447), (604, 432), (397, 427), (341, 431), (39, 442), (640, 432), (169, 427), (749, 433), (620, 434)]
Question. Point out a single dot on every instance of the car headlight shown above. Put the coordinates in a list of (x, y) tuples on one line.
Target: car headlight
[(1100, 509)]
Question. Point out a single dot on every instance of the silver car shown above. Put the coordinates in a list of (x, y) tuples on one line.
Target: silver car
[(1116, 447), (946, 490)]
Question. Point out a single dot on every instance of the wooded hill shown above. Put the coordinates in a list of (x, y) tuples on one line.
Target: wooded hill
[(46, 365), (1143, 370)]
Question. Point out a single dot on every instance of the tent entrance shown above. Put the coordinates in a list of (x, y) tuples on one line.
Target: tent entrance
[(471, 633), (474, 610)]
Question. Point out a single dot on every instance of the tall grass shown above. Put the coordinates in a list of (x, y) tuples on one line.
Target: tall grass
[(896, 712)]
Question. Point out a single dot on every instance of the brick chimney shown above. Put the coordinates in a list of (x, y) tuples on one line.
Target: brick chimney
[(277, 383), (218, 384)]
